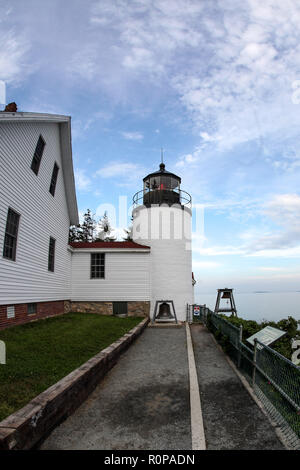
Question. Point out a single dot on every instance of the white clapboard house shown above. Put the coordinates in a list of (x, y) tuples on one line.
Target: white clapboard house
[(42, 275)]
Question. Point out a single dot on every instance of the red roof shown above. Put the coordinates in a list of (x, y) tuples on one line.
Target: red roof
[(107, 245)]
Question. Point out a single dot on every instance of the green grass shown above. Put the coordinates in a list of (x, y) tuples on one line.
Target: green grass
[(40, 353)]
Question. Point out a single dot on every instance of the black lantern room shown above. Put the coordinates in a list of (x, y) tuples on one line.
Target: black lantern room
[(162, 187)]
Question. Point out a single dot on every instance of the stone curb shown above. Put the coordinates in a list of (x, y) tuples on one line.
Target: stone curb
[(27, 426)]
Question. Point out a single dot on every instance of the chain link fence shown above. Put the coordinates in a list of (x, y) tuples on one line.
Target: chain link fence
[(274, 379)]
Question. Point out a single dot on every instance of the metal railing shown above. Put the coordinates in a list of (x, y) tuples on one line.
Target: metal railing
[(158, 196), (274, 378)]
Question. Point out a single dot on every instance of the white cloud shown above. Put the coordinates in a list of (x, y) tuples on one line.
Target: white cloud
[(219, 250), (83, 182), (122, 169), (284, 210), (13, 55), (205, 265), (132, 135), (271, 268)]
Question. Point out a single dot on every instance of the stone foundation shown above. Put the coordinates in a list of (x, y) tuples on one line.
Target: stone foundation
[(102, 308), (139, 309), (135, 308)]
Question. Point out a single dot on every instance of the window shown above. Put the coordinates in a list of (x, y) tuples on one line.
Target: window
[(120, 308), (97, 265), (10, 311), (36, 161), (51, 255), (11, 234), (31, 309), (53, 179)]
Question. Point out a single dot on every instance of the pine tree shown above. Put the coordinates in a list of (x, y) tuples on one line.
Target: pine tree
[(73, 233), (105, 230), (128, 232), (87, 228)]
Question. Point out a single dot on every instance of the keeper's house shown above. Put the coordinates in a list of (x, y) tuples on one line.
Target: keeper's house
[(37, 206)]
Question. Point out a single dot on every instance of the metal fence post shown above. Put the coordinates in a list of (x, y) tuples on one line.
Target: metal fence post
[(254, 362), (239, 345)]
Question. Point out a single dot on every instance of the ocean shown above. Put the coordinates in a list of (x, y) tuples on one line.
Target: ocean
[(256, 306)]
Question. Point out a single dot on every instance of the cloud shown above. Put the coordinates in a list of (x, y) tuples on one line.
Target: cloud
[(284, 210), (122, 169), (271, 268), (216, 250), (132, 135), (13, 52), (278, 236), (83, 182), (206, 265)]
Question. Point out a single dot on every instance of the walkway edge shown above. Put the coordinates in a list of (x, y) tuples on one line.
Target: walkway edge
[(197, 427), (27, 426)]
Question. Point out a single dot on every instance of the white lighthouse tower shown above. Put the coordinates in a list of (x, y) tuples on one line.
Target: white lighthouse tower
[(162, 218)]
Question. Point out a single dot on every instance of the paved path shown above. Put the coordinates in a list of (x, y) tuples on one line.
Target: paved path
[(143, 402), (232, 420)]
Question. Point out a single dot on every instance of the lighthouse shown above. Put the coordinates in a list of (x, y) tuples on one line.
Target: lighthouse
[(162, 219)]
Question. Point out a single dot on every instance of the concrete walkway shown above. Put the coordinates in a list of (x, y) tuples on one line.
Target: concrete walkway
[(144, 401), (232, 420)]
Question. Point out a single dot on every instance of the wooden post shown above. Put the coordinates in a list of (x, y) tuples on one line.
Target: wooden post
[(218, 301)]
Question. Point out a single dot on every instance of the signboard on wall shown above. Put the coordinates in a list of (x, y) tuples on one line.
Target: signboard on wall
[(196, 310)]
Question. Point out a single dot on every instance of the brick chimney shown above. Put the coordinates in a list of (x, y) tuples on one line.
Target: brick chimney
[(11, 108)]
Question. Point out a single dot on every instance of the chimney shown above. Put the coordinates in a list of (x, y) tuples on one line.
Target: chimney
[(11, 108)]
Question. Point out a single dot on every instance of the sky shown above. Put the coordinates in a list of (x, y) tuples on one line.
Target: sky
[(216, 84)]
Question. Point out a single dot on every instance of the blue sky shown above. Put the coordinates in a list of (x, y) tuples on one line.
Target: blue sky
[(216, 84)]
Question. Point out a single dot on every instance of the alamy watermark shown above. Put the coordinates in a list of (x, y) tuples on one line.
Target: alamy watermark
[(160, 222), (296, 355), (2, 93), (2, 352)]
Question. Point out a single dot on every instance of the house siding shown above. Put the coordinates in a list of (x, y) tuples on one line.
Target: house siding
[(127, 277), (27, 280)]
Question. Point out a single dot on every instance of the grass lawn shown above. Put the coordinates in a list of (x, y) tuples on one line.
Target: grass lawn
[(40, 353)]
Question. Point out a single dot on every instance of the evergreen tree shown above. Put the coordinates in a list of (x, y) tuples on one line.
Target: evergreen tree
[(128, 232), (87, 229), (73, 233), (105, 230)]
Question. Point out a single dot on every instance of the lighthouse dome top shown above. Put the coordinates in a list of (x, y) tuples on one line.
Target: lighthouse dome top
[(162, 172)]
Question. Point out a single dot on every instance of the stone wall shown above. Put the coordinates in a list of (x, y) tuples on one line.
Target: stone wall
[(102, 308), (135, 308), (138, 309)]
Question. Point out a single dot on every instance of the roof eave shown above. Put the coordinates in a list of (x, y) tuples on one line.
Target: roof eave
[(43, 117), (109, 250), (67, 163)]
